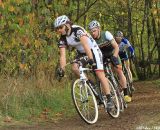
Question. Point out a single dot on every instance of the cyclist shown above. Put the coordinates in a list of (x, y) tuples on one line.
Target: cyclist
[(110, 50), (77, 37), (124, 46)]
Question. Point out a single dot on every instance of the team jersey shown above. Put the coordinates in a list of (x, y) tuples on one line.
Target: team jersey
[(104, 43), (123, 47), (73, 40)]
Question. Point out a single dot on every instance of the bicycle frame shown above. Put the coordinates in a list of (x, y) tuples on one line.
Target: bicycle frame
[(83, 77), (109, 72)]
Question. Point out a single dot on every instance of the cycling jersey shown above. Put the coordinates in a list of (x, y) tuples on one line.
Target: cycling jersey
[(123, 46), (104, 43), (73, 39)]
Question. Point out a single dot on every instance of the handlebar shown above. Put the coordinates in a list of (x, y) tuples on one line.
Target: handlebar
[(108, 60), (79, 60)]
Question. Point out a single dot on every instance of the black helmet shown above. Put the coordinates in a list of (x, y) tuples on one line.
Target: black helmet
[(119, 34)]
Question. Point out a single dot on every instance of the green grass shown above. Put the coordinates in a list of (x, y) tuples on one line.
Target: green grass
[(157, 82), (26, 101)]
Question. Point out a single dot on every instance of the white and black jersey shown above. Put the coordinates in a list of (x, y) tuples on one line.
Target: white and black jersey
[(74, 40)]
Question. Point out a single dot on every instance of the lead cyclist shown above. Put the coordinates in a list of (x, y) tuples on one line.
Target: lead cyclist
[(124, 46), (78, 38)]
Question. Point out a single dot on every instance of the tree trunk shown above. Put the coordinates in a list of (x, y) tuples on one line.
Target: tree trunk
[(130, 36), (143, 70), (78, 10), (149, 59), (158, 14), (155, 33), (85, 16)]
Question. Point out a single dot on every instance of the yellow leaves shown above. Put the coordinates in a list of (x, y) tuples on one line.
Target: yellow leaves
[(100, 14), (122, 13), (157, 20), (1, 4), (31, 18), (14, 41), (56, 14), (155, 1), (48, 33), (65, 2), (11, 9), (49, 6), (154, 11), (19, 1), (37, 43)]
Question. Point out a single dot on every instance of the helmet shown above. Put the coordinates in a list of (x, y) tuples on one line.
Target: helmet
[(61, 20), (93, 24), (119, 34)]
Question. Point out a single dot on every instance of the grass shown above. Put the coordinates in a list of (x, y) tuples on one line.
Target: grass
[(35, 100), (157, 82)]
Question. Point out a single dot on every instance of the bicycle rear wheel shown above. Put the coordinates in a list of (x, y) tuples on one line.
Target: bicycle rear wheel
[(84, 101), (116, 110), (120, 95), (129, 84)]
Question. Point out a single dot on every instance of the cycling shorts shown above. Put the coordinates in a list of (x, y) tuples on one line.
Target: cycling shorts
[(97, 56), (123, 55)]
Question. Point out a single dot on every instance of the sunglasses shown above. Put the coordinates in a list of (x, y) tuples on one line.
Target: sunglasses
[(59, 27)]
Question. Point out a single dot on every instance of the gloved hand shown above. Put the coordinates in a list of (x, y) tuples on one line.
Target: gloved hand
[(92, 63), (132, 56), (60, 72), (114, 60)]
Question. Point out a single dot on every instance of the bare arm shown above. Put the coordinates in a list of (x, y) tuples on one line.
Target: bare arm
[(62, 58), (84, 42), (115, 46)]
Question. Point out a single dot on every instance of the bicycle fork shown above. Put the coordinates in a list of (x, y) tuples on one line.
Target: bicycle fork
[(84, 79)]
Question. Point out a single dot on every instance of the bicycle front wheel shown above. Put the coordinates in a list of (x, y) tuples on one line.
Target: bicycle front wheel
[(84, 101)]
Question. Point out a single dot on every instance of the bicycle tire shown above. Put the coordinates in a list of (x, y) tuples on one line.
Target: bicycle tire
[(120, 95), (84, 101), (129, 84), (114, 113), (121, 100)]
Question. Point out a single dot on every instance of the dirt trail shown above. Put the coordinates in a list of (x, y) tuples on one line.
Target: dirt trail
[(143, 113)]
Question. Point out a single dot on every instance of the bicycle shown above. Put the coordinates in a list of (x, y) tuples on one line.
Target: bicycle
[(128, 79), (114, 80), (86, 96)]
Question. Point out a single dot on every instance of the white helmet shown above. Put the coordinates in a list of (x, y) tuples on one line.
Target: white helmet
[(93, 24), (61, 20), (119, 34)]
